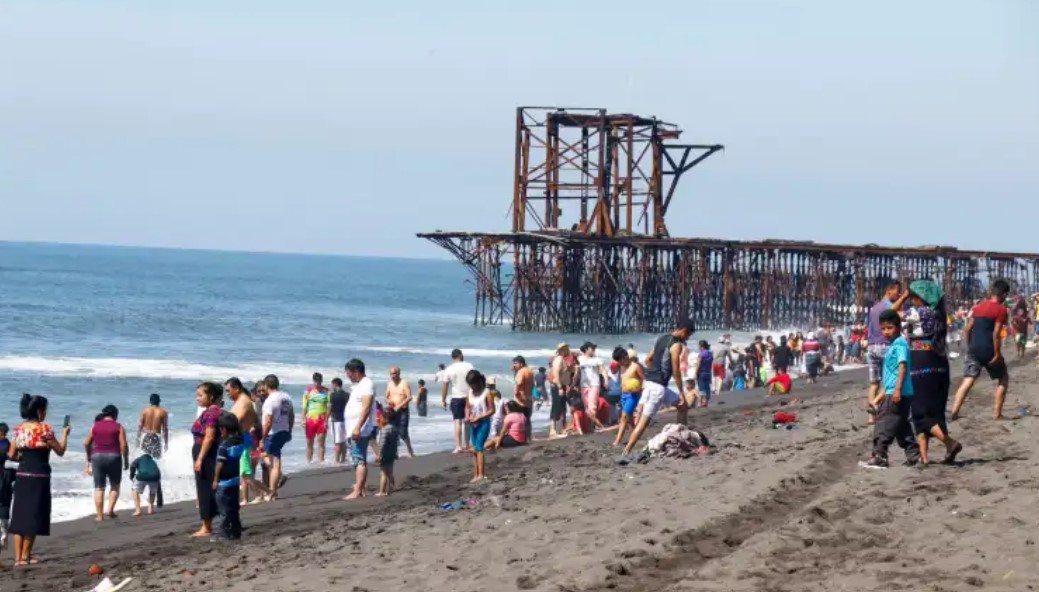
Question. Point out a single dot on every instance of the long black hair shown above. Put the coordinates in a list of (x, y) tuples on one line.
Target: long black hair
[(31, 405)]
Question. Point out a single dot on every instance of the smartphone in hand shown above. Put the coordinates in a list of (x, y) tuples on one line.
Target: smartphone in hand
[(68, 418)]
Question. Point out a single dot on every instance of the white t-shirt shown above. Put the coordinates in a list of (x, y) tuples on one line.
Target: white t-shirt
[(590, 371), (455, 374), (279, 407), (358, 391), (477, 404)]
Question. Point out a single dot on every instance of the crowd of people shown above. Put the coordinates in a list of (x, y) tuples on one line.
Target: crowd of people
[(237, 452)]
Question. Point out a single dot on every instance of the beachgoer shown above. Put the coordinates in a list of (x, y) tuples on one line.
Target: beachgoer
[(523, 391), (795, 346), (876, 343), (479, 407), (31, 446), (631, 378), (593, 375), (704, 373), (663, 364), (782, 357), (226, 482), (580, 421), (441, 374), (557, 391), (249, 424), (540, 389), (840, 350), (894, 402), (422, 401), (107, 457), (337, 405), (722, 353), (779, 384), (692, 396), (315, 417), (360, 424), (739, 373), (498, 417), (813, 356), (153, 432), (985, 348), (146, 476), (7, 478), (279, 417), (259, 396), (1019, 321), (927, 332), (515, 429), (398, 400), (210, 396), (454, 379)]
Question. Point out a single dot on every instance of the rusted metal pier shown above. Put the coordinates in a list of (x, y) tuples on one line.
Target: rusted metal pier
[(612, 266)]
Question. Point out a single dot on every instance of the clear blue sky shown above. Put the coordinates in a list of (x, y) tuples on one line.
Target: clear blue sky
[(346, 127)]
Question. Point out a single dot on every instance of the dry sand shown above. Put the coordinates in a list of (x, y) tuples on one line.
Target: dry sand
[(772, 510)]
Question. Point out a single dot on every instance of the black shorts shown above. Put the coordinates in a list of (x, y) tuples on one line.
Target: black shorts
[(458, 409), (107, 468), (558, 410)]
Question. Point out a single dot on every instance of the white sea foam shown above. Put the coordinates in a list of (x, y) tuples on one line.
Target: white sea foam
[(153, 368), (534, 354)]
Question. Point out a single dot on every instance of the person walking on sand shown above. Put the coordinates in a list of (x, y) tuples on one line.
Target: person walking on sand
[(523, 392), (985, 348), (315, 417), (876, 344), (704, 373), (631, 377), (593, 375), (360, 422), (31, 446), (1019, 321), (722, 353), (479, 407), (894, 401), (337, 406), (398, 398), (540, 388), (146, 476), (248, 423), (927, 330), (662, 364), (153, 423), (454, 380), (279, 417), (107, 457)]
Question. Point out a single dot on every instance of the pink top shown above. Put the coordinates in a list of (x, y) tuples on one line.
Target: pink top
[(515, 425), (106, 437)]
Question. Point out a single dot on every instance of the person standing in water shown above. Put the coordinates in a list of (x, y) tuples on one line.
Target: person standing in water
[(337, 407), (422, 402), (523, 392), (249, 425), (398, 398), (107, 457), (454, 380), (663, 364), (315, 417), (153, 423)]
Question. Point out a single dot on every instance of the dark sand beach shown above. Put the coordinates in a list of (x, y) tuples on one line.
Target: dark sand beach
[(771, 510)]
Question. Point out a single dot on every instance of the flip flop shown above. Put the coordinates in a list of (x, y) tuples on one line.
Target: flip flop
[(950, 457)]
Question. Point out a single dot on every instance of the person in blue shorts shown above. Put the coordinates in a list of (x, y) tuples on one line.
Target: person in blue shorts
[(479, 408), (631, 377)]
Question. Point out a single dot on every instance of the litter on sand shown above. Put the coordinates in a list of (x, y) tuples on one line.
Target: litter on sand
[(106, 585), (460, 504)]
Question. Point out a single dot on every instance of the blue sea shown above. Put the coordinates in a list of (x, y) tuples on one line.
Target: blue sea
[(88, 326)]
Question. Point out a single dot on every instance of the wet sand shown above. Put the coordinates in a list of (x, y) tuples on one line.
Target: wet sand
[(772, 510)]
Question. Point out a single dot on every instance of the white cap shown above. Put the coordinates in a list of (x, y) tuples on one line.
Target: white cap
[(811, 335)]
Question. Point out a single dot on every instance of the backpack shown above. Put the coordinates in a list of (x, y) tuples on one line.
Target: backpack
[(147, 469)]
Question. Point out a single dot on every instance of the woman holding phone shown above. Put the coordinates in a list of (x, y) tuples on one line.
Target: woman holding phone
[(31, 446)]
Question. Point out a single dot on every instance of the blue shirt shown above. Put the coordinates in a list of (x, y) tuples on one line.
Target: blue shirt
[(897, 354), (230, 454)]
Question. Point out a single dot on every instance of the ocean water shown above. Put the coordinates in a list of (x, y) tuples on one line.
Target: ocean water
[(88, 326)]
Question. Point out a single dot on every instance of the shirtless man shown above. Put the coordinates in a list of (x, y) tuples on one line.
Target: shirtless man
[(557, 409), (154, 421), (523, 393), (398, 397), (244, 409)]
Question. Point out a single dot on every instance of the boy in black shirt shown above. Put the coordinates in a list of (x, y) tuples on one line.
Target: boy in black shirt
[(226, 482)]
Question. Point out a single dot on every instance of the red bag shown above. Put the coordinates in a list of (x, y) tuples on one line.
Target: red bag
[(784, 418)]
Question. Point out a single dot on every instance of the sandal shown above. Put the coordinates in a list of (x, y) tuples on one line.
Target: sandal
[(950, 457)]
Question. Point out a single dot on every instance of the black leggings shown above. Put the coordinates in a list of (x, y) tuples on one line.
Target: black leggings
[(204, 482), (107, 468), (558, 410)]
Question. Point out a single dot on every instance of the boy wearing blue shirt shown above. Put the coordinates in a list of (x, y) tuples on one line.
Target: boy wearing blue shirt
[(226, 483), (893, 403)]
